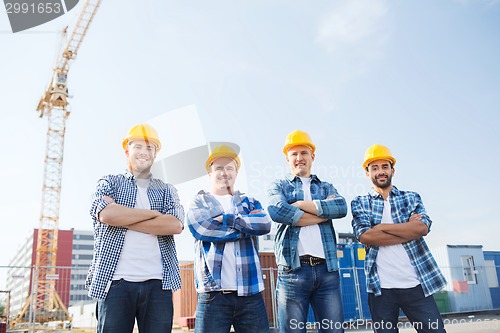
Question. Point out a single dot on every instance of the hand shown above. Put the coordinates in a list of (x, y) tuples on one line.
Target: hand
[(331, 196), (415, 218), (256, 211), (108, 199)]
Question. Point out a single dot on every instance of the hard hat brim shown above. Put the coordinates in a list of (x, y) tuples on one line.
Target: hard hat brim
[(156, 142), (213, 157), (290, 145), (387, 158)]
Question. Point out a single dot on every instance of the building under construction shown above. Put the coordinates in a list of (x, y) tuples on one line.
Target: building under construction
[(74, 254)]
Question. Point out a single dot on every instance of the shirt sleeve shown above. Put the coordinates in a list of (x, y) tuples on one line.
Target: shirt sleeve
[(420, 209), (360, 217), (103, 188), (251, 224), (279, 209), (333, 208), (203, 226), (172, 203)]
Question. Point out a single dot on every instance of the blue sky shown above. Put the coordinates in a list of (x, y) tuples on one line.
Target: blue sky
[(421, 77)]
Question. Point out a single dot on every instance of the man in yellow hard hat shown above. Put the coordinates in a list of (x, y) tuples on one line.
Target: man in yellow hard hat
[(400, 270), (303, 206), (135, 267), (225, 224)]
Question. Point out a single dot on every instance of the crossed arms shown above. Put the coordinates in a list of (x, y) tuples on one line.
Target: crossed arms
[(390, 234), (142, 220), (384, 234), (106, 210), (310, 210), (303, 213), (207, 223)]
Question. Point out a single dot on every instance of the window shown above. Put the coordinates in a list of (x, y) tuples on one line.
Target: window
[(491, 273), (470, 273), (84, 237), (82, 256), (82, 247)]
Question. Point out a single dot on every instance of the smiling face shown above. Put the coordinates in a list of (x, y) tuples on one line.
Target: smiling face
[(380, 172), (140, 155), (300, 159), (223, 172)]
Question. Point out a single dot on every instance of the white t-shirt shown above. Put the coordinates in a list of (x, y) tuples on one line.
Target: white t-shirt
[(228, 274), (141, 258), (393, 264), (310, 241)]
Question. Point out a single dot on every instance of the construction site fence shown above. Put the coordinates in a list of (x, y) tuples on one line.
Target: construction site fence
[(468, 289)]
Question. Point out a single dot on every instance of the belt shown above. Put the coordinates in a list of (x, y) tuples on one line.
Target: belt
[(311, 261), (226, 291)]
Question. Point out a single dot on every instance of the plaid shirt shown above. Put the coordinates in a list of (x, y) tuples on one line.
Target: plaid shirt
[(367, 212), (286, 191), (109, 240), (212, 235)]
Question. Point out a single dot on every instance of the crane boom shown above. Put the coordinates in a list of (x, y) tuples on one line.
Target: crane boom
[(54, 106), (56, 93)]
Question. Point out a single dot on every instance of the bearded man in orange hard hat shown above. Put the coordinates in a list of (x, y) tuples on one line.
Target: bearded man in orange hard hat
[(135, 267), (303, 206), (400, 270), (225, 224)]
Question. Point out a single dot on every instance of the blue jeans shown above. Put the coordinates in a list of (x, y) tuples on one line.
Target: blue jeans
[(421, 311), (216, 312), (309, 285), (128, 301)]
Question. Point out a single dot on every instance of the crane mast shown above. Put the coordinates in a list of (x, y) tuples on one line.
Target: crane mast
[(54, 106)]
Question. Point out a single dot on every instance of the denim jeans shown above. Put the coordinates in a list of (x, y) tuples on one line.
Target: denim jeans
[(309, 285), (216, 312), (421, 311), (128, 301)]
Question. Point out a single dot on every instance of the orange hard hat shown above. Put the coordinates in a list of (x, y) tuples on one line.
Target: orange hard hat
[(142, 132), (378, 152), (222, 151), (298, 138)]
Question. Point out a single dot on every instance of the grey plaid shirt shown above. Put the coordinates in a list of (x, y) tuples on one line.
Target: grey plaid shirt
[(109, 240)]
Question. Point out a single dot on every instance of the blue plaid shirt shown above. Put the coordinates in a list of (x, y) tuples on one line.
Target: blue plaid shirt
[(367, 212), (109, 240), (212, 235), (286, 191)]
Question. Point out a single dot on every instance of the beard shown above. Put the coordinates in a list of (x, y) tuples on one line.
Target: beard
[(384, 184)]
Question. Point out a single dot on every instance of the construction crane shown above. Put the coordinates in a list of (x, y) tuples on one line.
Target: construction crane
[(54, 106)]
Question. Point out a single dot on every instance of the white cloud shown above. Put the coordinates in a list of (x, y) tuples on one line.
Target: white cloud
[(355, 24)]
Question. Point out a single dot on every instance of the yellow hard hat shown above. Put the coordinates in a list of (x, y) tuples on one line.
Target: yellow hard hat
[(142, 132), (378, 152), (222, 151), (298, 138)]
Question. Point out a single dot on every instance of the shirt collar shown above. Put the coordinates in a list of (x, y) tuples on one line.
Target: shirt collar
[(292, 177), (394, 191), (130, 176), (235, 194)]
